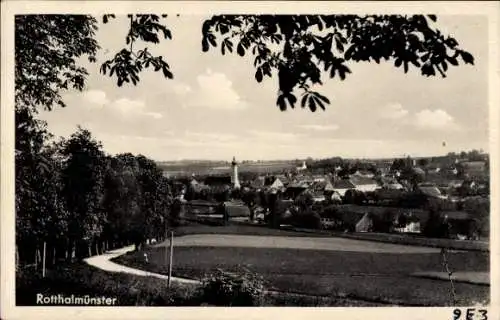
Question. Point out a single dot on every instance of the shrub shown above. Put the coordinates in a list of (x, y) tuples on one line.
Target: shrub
[(305, 219), (436, 226), (232, 289), (385, 222)]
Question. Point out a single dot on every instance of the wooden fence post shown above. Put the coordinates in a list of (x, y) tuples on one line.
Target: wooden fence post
[(43, 258), (170, 258)]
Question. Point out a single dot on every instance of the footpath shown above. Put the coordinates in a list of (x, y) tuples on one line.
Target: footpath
[(104, 262)]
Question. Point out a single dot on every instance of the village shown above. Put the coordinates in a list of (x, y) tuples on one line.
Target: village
[(397, 195)]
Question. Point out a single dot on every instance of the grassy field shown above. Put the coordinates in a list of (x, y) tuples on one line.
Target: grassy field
[(381, 277)]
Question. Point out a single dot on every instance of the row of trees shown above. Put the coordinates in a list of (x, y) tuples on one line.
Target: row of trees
[(79, 201)]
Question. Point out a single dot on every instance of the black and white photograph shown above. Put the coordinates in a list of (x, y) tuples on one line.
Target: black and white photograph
[(159, 157)]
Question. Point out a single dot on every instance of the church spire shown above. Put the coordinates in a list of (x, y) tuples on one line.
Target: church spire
[(234, 176)]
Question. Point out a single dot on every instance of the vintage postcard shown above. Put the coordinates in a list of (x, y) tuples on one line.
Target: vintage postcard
[(249, 159)]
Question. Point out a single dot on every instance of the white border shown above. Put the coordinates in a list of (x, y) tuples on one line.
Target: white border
[(7, 222)]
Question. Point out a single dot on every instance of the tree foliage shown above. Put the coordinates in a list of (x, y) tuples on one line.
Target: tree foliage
[(299, 48), (128, 63), (47, 48)]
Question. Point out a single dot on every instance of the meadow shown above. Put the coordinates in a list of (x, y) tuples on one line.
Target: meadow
[(362, 270)]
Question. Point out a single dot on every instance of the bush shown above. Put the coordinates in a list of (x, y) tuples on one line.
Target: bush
[(305, 219), (228, 289), (436, 226), (385, 222)]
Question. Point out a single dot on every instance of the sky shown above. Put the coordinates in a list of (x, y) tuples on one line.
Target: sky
[(214, 109)]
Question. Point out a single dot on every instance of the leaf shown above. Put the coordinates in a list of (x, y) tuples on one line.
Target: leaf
[(398, 62), (167, 33), (167, 73), (312, 104), (452, 60), (103, 68), (320, 104), (340, 46), (467, 57), (223, 28), (258, 75), (240, 49), (332, 71), (280, 102), (349, 52), (405, 66), (432, 17), (304, 100), (204, 45), (343, 70), (211, 39), (256, 61), (322, 97), (291, 99), (229, 45), (444, 65)]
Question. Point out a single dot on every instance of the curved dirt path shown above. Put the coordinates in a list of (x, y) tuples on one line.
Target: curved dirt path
[(103, 262)]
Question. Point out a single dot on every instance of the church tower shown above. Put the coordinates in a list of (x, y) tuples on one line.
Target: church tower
[(234, 177)]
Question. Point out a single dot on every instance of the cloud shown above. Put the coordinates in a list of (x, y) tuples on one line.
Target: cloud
[(319, 127), (215, 90), (96, 98), (394, 111), (434, 119)]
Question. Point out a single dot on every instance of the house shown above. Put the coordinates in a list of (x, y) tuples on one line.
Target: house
[(419, 171), (274, 183), (302, 167), (431, 190), (433, 168), (318, 196), (364, 174), (364, 184), (342, 185), (365, 224), (318, 178), (235, 209), (391, 184), (410, 227)]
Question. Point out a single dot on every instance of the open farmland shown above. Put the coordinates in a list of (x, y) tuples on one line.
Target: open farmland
[(324, 266), (186, 169)]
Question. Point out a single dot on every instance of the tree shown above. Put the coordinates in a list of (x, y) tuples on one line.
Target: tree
[(83, 187), (423, 162), (47, 48)]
